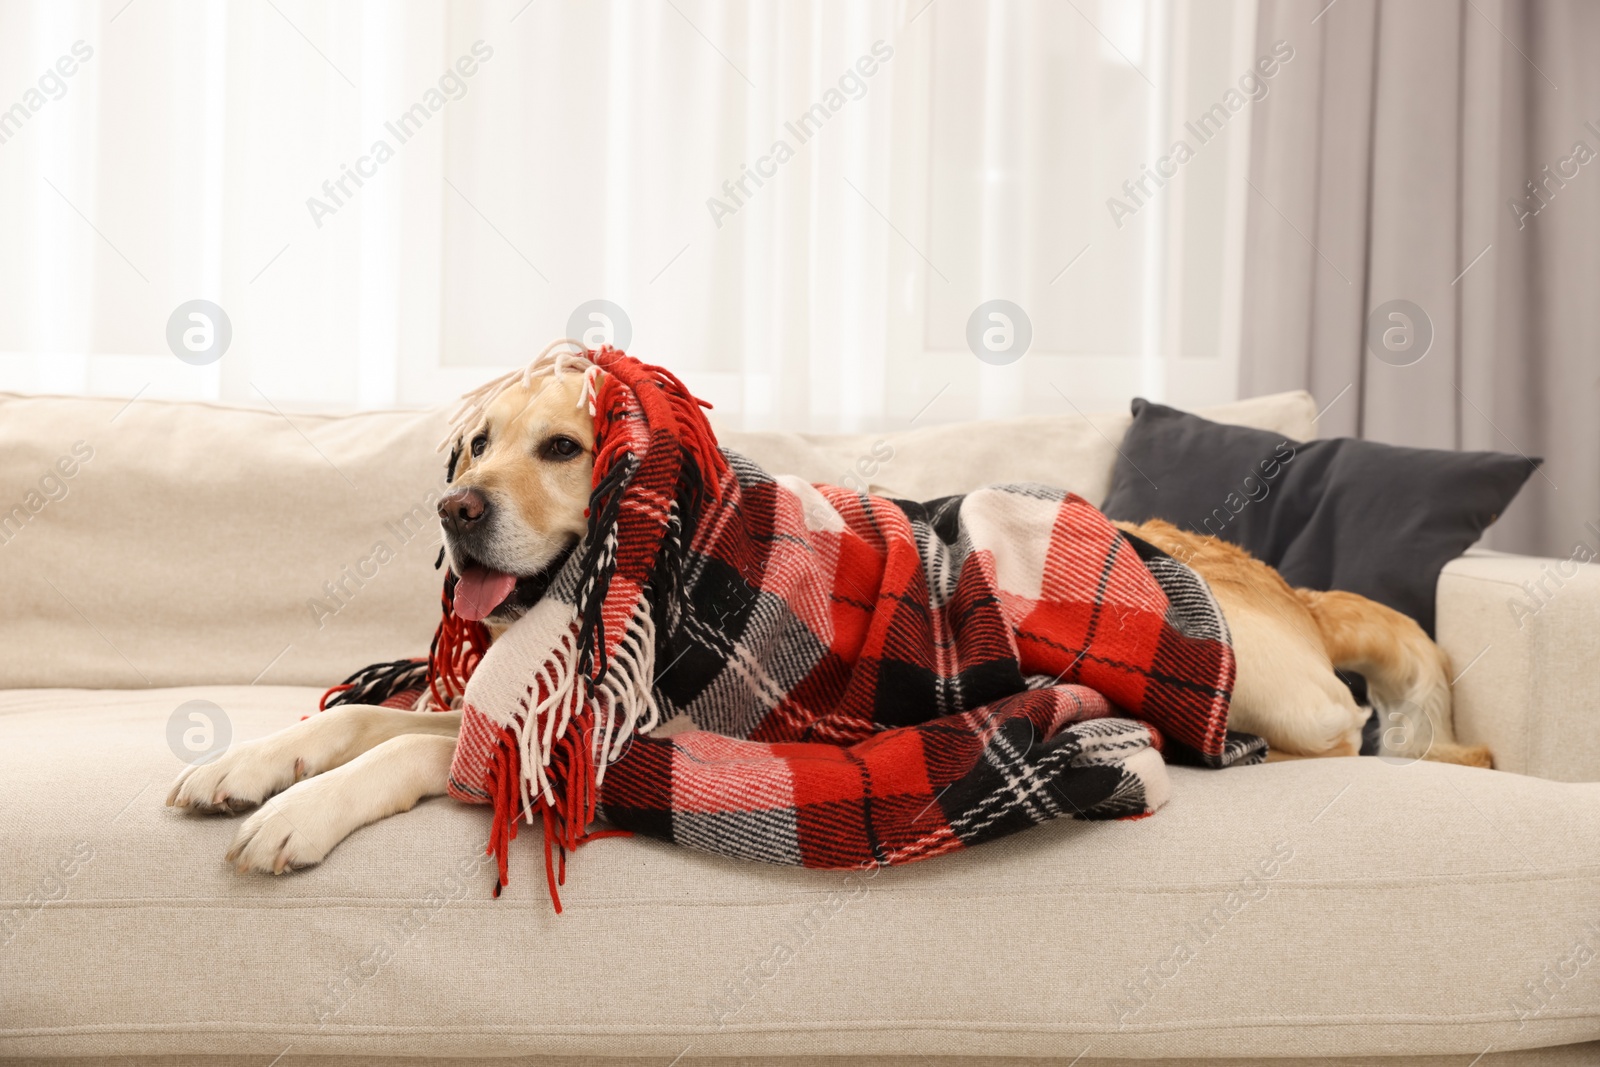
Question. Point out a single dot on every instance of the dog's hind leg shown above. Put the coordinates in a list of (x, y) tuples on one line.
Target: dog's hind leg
[(252, 771), (301, 827), (1285, 689)]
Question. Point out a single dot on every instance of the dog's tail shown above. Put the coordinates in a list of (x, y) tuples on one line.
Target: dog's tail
[(1408, 676)]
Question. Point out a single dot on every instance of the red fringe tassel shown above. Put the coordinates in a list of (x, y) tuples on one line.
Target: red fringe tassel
[(566, 822), (669, 409), (458, 646)]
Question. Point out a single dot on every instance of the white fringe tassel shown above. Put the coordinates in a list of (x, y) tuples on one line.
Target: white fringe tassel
[(540, 652)]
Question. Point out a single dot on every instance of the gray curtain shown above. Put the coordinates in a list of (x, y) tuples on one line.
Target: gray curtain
[(1402, 157)]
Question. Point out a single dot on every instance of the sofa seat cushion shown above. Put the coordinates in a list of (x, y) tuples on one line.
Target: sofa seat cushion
[(1334, 907)]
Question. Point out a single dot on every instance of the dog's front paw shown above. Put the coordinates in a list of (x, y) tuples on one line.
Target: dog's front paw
[(240, 778), (292, 831)]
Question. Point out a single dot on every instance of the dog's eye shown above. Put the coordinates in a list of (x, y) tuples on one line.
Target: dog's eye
[(562, 448), (479, 443)]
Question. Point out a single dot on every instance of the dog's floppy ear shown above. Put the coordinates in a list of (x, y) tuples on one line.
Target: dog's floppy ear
[(455, 457)]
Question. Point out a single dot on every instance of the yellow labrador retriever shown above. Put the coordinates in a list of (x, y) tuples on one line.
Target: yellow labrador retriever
[(516, 507)]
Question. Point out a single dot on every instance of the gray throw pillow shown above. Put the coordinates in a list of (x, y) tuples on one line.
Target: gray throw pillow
[(1364, 517)]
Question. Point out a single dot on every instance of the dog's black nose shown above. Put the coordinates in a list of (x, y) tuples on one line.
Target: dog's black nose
[(462, 508)]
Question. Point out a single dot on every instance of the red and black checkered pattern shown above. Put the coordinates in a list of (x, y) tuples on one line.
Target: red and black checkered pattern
[(876, 681)]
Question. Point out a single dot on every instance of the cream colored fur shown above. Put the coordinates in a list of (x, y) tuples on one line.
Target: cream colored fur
[(326, 777)]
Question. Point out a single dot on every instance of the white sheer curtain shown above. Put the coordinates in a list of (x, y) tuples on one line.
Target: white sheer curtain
[(935, 156)]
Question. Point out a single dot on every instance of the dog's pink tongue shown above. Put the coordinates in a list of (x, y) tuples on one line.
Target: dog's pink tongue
[(479, 591)]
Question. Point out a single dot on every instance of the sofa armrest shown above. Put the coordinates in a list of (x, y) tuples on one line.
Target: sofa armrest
[(1523, 635)]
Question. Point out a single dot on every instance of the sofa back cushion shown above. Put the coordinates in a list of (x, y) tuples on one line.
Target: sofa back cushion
[(1075, 452), (168, 543)]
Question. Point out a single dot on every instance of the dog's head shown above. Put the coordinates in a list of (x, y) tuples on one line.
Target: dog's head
[(519, 482)]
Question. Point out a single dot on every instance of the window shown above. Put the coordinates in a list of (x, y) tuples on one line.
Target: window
[(799, 208)]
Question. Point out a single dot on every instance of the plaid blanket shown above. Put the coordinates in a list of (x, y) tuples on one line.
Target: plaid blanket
[(848, 680), (877, 681)]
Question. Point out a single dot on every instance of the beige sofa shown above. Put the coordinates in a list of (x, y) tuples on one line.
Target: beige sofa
[(1330, 912)]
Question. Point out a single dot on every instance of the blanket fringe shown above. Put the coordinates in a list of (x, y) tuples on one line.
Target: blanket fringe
[(565, 816), (673, 411), (586, 689), (380, 683), (550, 758), (457, 648)]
